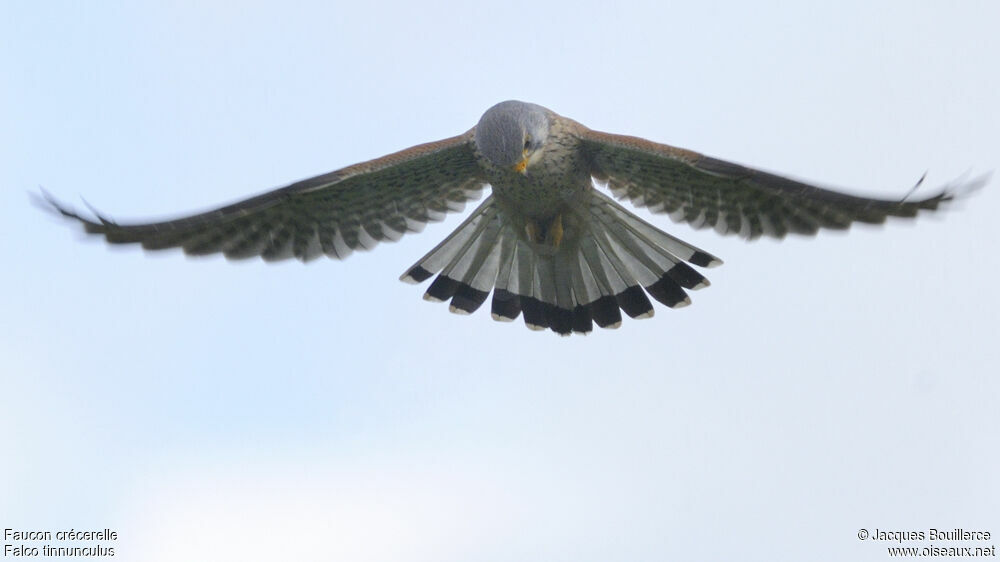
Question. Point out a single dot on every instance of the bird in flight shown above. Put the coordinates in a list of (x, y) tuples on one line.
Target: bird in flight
[(548, 245)]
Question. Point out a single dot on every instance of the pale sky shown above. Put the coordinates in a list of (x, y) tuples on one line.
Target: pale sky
[(211, 410)]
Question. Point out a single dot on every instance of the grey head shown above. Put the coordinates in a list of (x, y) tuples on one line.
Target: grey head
[(510, 132)]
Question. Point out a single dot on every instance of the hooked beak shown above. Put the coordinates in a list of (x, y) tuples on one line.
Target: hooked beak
[(522, 166)]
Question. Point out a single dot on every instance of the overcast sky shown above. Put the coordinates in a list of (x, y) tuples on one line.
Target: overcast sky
[(210, 410)]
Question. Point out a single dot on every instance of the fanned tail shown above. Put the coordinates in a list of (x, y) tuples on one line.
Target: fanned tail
[(608, 264)]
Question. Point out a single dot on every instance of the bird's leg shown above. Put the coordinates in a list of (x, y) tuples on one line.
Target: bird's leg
[(554, 232), (532, 229), (549, 233)]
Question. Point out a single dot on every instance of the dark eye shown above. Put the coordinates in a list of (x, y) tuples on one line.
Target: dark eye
[(527, 143)]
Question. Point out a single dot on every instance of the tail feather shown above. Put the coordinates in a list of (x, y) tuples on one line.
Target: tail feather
[(524, 275), (609, 264), (506, 306), (649, 260), (476, 268), (563, 272), (556, 292), (655, 236), (586, 287), (605, 309), (442, 254), (471, 259), (482, 281)]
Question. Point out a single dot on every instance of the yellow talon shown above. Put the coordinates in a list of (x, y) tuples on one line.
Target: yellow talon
[(551, 234), (555, 233), (531, 229)]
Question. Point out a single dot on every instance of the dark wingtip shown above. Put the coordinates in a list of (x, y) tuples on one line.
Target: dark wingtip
[(104, 221), (958, 188), (914, 188), (961, 188), (48, 203)]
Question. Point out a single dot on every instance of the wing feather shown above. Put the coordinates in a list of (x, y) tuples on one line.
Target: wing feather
[(336, 213), (731, 198)]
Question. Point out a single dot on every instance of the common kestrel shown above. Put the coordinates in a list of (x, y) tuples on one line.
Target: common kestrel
[(546, 242)]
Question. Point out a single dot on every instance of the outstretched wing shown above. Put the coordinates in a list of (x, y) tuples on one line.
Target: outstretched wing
[(332, 214), (733, 199)]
